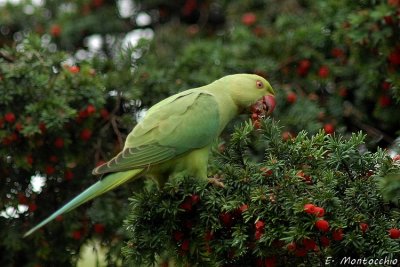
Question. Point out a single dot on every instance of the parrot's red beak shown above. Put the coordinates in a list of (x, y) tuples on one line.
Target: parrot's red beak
[(264, 106), (269, 104)]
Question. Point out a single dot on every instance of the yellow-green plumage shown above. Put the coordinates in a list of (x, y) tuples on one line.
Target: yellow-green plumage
[(175, 135)]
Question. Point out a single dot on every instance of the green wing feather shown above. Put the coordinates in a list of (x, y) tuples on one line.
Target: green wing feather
[(108, 183), (174, 126)]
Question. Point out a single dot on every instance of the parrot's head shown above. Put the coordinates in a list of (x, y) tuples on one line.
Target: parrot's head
[(250, 92)]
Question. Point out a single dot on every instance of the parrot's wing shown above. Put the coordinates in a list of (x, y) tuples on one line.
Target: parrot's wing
[(171, 128)]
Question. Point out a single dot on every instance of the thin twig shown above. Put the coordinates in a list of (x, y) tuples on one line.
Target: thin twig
[(116, 131), (355, 115), (6, 57), (111, 122)]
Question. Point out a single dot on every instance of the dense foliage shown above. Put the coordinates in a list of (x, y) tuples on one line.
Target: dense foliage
[(335, 62), (305, 199), (53, 111), (71, 89)]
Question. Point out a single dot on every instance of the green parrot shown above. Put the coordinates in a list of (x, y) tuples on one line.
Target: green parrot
[(175, 135)]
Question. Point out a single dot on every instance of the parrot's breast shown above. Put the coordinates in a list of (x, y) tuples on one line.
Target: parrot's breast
[(193, 164)]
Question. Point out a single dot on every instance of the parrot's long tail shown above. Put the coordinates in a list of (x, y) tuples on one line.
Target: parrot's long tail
[(106, 184)]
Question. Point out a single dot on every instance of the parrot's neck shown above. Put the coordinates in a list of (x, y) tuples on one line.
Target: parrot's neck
[(226, 107)]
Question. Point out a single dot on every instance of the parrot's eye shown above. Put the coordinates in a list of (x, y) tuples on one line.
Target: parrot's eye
[(259, 84)]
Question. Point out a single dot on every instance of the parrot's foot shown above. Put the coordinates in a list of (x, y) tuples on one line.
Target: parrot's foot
[(215, 180)]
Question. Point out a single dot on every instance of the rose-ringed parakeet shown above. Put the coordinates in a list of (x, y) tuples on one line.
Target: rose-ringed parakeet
[(175, 135)]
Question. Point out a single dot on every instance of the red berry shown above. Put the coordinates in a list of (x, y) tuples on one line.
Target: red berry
[(394, 57), (287, 136), (396, 158), (386, 86), (83, 114), (254, 117), (53, 158), (306, 178), (194, 199), (13, 137), (309, 208), (104, 113), (343, 92), (329, 128), (260, 262), (249, 18), (303, 67), (388, 20), (266, 172), (185, 245), (189, 224), (226, 218), (59, 218), (322, 225), (337, 234), (50, 170), (393, 2), (18, 127), (189, 7), (6, 141), (59, 142), (323, 72), (90, 109), (77, 234), (337, 52), (257, 124), (178, 235), (186, 205), (384, 101), (68, 175), (42, 127), (243, 208), (256, 109), (291, 246), (260, 225), (309, 244), (74, 69), (325, 241), (22, 199), (394, 233), (259, 31), (10, 138), (97, 3), (208, 236), (85, 134), (32, 207), (364, 227), (55, 30), (369, 173), (319, 212), (9, 117), (300, 252), (99, 228), (270, 262), (258, 235), (291, 97), (29, 159)]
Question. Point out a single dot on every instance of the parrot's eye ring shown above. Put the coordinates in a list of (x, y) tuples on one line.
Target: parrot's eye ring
[(259, 84)]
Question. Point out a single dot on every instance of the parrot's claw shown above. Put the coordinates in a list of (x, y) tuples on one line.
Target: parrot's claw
[(215, 180)]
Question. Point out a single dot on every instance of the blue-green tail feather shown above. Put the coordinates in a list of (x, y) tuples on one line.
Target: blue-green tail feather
[(106, 184)]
